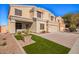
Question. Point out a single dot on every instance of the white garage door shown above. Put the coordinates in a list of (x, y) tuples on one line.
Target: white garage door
[(53, 28)]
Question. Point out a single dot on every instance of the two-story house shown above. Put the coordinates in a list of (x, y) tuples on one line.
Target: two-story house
[(22, 17)]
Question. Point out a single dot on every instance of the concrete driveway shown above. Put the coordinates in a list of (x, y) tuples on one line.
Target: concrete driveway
[(65, 39)]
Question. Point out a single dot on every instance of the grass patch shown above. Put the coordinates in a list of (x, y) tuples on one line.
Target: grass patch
[(44, 46)]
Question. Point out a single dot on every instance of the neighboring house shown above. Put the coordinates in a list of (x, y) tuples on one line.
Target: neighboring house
[(3, 29), (36, 19)]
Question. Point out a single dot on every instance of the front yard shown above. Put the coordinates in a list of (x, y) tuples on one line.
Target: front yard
[(44, 46)]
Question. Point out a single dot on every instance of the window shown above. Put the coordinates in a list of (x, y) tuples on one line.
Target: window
[(51, 18), (18, 25), (41, 26), (18, 12), (39, 14)]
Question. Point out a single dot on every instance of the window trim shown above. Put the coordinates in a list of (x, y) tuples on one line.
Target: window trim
[(52, 18), (18, 25), (40, 14), (19, 12), (42, 28)]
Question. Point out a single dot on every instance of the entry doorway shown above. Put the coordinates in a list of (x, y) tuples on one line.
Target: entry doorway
[(21, 26)]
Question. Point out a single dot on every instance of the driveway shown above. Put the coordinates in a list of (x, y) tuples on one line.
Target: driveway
[(65, 39)]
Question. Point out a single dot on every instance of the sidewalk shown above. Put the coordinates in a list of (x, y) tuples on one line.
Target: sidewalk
[(12, 46), (75, 48)]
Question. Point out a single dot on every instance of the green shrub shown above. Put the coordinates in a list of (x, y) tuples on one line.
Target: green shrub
[(72, 28), (19, 37)]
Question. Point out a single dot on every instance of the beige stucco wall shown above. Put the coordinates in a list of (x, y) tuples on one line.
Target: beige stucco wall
[(25, 11), (46, 14), (27, 14), (33, 27), (11, 25), (61, 24), (36, 24)]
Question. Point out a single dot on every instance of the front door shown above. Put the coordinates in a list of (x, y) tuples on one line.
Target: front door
[(28, 25), (18, 26)]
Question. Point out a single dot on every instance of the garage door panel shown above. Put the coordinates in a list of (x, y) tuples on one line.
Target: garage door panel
[(53, 28)]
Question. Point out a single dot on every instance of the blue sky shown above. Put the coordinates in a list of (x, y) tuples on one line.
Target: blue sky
[(56, 9), (4, 14), (60, 9)]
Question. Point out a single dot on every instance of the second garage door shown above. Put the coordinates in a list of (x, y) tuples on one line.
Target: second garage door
[(53, 29)]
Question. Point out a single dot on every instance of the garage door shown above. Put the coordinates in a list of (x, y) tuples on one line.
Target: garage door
[(53, 28)]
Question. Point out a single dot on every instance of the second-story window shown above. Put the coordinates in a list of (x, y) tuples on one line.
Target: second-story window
[(39, 14), (52, 18), (18, 12)]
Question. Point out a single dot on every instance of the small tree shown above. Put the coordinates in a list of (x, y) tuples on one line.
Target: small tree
[(71, 21), (72, 27)]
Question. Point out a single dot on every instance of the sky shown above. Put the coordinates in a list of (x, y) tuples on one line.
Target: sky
[(60, 9), (56, 9), (4, 9)]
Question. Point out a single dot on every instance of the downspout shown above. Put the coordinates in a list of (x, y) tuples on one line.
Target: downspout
[(47, 26), (59, 24)]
